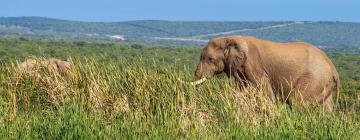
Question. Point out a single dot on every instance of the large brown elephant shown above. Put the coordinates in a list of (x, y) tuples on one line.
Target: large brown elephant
[(295, 72)]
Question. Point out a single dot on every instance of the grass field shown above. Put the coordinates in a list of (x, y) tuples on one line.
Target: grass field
[(133, 92)]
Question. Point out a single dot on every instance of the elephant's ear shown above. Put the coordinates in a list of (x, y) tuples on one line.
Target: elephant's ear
[(236, 52)]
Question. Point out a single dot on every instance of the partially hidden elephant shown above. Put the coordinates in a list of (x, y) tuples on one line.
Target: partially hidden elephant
[(57, 65), (296, 72)]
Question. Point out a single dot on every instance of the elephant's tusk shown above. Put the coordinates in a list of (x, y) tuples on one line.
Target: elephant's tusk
[(198, 81), (193, 83)]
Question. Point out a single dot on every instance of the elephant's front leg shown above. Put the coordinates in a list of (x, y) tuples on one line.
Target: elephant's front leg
[(267, 88), (262, 84)]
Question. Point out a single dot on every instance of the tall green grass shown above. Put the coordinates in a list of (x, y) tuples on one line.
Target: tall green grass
[(126, 100)]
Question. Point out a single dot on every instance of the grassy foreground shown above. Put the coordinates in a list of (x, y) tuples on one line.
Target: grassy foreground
[(125, 100)]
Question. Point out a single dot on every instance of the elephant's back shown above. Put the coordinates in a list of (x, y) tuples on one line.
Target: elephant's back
[(314, 62), (291, 53), (293, 58)]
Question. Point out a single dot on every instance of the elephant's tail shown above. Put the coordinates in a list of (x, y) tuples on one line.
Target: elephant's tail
[(337, 82)]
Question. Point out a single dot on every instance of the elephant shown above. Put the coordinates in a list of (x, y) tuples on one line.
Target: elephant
[(295, 72), (59, 66)]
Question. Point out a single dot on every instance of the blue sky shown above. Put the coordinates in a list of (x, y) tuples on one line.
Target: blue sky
[(199, 10)]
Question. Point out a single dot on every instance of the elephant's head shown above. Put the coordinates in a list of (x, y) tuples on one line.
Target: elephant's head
[(223, 54)]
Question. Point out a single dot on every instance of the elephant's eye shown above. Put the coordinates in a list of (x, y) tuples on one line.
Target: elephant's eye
[(211, 59)]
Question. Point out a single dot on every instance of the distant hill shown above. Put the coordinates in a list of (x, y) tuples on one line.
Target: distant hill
[(323, 34)]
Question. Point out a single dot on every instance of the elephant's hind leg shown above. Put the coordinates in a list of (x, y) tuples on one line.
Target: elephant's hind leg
[(328, 104), (327, 100), (299, 91), (314, 92)]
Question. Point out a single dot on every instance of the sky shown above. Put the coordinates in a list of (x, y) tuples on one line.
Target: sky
[(185, 10)]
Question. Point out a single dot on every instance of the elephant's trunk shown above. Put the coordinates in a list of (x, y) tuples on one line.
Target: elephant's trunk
[(199, 75), (199, 72)]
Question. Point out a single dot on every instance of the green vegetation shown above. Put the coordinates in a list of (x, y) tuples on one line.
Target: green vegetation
[(133, 91), (145, 28), (332, 36)]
